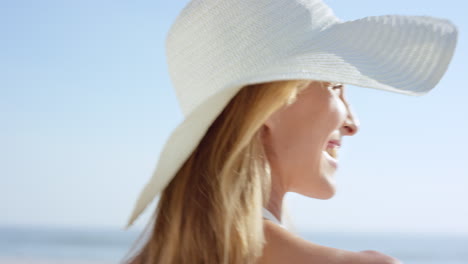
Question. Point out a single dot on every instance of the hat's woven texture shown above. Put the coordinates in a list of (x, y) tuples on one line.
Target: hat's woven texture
[(215, 44), (216, 47)]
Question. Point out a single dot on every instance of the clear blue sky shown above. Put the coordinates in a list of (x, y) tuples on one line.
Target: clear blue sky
[(86, 104)]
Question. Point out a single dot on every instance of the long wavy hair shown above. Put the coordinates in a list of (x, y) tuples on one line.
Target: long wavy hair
[(211, 211)]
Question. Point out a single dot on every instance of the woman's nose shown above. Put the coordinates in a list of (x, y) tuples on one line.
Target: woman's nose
[(351, 124)]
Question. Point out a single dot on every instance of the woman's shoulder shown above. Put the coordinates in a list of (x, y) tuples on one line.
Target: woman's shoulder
[(283, 246)]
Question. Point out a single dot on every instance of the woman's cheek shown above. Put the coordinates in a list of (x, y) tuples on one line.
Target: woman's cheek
[(337, 113)]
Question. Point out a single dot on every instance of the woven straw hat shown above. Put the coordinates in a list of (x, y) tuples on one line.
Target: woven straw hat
[(214, 48)]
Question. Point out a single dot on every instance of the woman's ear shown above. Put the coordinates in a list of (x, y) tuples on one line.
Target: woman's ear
[(270, 123), (265, 136), (266, 128)]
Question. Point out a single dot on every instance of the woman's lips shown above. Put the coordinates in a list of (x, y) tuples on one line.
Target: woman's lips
[(333, 143), (332, 149)]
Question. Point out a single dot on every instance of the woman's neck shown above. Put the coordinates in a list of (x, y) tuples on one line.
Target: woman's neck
[(276, 198)]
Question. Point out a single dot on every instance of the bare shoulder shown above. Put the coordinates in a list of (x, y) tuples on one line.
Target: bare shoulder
[(283, 246)]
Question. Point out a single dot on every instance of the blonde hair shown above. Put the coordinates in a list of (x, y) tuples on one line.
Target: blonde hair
[(211, 211)]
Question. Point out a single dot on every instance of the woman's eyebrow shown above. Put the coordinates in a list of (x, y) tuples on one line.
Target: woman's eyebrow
[(335, 84)]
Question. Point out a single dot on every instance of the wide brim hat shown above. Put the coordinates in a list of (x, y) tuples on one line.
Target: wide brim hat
[(214, 48)]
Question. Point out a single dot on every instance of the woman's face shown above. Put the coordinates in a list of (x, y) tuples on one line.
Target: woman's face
[(299, 138)]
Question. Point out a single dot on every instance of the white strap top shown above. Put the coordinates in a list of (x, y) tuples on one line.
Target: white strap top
[(268, 215)]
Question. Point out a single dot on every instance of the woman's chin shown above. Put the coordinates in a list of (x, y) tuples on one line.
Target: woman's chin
[(323, 191), (326, 194), (328, 187)]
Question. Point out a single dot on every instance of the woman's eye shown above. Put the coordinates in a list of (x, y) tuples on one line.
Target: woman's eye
[(338, 88)]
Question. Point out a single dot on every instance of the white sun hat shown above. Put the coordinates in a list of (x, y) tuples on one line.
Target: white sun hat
[(215, 47)]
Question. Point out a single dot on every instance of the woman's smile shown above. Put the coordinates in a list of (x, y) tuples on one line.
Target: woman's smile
[(303, 139), (331, 152), (333, 161)]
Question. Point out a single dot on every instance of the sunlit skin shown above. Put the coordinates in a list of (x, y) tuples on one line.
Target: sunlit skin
[(296, 136)]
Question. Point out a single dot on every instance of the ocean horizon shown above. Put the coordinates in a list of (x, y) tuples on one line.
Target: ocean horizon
[(110, 246)]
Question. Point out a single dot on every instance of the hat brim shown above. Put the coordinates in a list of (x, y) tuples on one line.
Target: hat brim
[(182, 141), (402, 54)]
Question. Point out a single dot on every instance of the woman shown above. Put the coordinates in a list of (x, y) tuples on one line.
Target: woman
[(286, 139), (261, 86)]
